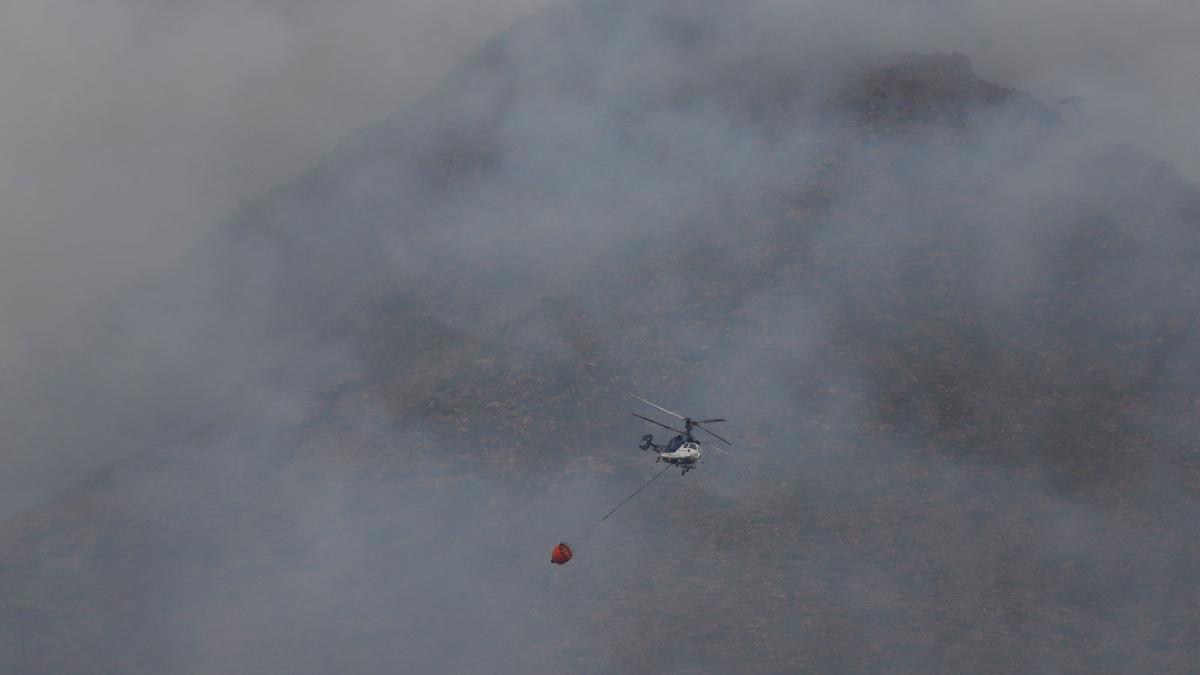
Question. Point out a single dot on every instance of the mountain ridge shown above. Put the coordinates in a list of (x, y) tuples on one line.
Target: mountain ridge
[(940, 329)]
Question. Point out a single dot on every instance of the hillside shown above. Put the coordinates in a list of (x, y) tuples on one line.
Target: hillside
[(954, 337)]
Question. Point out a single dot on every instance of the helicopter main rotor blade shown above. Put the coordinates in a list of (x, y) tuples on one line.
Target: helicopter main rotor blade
[(658, 406), (658, 423), (718, 449), (713, 434), (723, 452), (719, 419)]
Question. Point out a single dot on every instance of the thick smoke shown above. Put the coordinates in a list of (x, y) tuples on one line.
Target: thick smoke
[(129, 128), (949, 324)]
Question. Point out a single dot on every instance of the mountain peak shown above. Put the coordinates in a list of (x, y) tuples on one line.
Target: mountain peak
[(937, 87), (958, 383)]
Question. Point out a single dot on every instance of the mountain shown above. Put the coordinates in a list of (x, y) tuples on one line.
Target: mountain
[(953, 335)]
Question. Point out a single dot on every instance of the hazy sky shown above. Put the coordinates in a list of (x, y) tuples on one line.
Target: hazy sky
[(413, 363), (128, 127)]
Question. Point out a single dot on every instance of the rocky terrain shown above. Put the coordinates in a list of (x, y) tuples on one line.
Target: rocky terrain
[(954, 336)]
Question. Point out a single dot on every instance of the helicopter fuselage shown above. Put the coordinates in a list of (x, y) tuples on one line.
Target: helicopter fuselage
[(684, 453), (688, 453)]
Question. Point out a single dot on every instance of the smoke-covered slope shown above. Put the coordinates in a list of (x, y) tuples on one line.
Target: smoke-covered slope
[(953, 334)]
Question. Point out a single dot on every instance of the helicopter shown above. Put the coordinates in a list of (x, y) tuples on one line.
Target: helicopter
[(683, 450)]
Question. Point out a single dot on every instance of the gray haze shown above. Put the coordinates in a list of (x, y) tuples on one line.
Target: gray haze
[(951, 325), (128, 128)]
